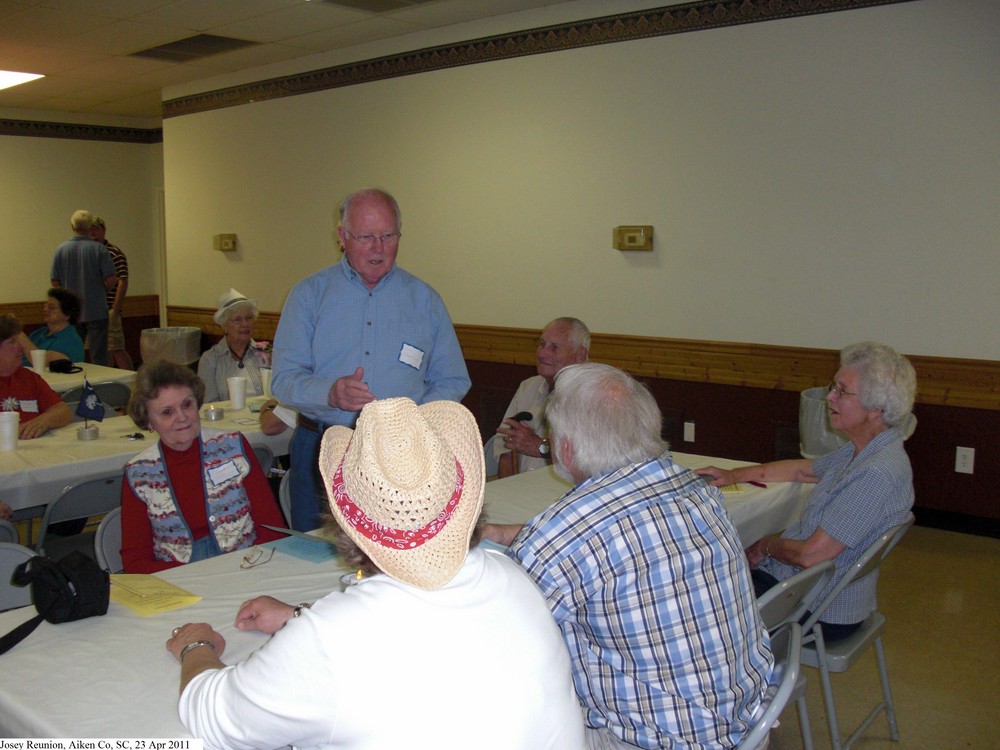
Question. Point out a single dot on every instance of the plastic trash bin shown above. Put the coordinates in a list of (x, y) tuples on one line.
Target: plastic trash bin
[(180, 344), (816, 436)]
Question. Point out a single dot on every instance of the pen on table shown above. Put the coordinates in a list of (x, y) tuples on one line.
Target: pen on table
[(127, 588), (758, 484)]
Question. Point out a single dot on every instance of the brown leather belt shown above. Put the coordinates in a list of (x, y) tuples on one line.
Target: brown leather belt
[(309, 424)]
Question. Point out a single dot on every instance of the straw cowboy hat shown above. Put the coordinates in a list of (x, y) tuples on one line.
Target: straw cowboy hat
[(407, 485), (227, 300)]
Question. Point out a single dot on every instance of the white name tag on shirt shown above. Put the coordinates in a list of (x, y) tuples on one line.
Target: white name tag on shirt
[(411, 355), (29, 404), (223, 473)]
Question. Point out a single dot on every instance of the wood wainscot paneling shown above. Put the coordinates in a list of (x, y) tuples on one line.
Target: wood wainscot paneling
[(744, 401), (202, 317)]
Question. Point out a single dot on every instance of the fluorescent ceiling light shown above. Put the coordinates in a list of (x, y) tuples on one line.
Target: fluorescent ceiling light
[(9, 78)]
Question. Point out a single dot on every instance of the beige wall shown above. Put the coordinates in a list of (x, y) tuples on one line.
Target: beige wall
[(43, 180)]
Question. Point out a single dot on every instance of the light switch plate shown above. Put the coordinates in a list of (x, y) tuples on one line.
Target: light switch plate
[(225, 242)]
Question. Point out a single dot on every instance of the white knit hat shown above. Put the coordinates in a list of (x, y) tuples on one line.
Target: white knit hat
[(407, 486)]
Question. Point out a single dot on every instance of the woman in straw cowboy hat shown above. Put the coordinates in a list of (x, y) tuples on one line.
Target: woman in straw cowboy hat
[(387, 663)]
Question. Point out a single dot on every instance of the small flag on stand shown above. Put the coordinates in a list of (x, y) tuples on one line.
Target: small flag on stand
[(90, 406)]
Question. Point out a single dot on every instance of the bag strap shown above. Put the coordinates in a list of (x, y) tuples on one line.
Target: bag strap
[(19, 633)]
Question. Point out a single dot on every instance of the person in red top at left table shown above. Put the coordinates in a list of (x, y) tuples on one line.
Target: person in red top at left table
[(23, 390), (196, 492)]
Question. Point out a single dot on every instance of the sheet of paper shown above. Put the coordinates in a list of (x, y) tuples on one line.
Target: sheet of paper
[(147, 594), (731, 488), (312, 550), (286, 415)]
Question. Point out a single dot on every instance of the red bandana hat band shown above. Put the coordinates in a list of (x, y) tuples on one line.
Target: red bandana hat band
[(386, 536)]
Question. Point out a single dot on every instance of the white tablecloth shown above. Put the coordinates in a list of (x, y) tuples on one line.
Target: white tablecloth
[(39, 469), (112, 676), (755, 511), (62, 382)]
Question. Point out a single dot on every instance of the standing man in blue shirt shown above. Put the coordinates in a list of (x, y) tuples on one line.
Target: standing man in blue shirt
[(358, 330), (85, 266)]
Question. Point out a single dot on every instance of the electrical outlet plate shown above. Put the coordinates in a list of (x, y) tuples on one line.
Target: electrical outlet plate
[(965, 458), (689, 432)]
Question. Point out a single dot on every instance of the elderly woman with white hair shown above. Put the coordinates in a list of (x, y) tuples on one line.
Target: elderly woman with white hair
[(862, 489)]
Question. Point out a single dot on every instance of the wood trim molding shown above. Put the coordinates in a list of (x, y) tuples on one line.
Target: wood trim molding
[(80, 132), (943, 381), (668, 19)]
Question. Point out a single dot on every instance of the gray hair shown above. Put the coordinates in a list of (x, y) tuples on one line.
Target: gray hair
[(153, 376), (886, 379), (371, 193), (9, 326), (610, 418), (81, 220), (579, 334)]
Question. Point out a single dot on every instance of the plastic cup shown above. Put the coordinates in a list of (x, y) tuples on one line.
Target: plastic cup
[(237, 392), (38, 360), (10, 423)]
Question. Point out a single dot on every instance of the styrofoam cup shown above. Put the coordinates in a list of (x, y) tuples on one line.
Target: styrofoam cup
[(10, 423), (237, 392), (38, 360)]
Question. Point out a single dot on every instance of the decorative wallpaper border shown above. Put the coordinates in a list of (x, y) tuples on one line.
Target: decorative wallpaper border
[(661, 21), (79, 132)]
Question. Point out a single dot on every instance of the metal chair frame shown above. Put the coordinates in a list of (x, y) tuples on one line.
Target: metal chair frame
[(786, 644)]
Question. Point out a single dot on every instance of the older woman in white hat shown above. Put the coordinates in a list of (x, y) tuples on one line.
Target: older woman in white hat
[(235, 355), (438, 646)]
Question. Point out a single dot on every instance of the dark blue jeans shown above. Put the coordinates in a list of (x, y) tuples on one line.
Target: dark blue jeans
[(762, 581), (306, 483)]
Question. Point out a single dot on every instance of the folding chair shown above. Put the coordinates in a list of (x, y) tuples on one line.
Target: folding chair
[(840, 655), (8, 532), (90, 497), (786, 645), (265, 457), (108, 542), (787, 601), (492, 469), (12, 555), (115, 395), (285, 496)]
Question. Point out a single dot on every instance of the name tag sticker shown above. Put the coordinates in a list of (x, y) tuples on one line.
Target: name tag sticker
[(411, 355), (223, 472), (29, 405)]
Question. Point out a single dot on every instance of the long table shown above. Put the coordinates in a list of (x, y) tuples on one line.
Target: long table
[(65, 381), (755, 511), (112, 676), (37, 470)]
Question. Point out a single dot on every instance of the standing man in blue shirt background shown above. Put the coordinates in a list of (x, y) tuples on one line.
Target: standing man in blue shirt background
[(358, 330), (85, 266)]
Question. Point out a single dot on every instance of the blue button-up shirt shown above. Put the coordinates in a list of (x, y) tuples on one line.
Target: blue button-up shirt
[(399, 332)]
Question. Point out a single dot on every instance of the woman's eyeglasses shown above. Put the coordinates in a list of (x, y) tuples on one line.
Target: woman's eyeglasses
[(256, 556)]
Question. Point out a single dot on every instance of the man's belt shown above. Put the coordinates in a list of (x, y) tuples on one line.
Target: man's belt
[(310, 424)]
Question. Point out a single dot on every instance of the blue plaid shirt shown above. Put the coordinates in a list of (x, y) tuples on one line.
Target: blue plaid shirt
[(858, 498), (647, 580)]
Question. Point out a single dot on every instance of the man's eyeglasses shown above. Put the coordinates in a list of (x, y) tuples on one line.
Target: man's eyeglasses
[(368, 240), (256, 556), (834, 387)]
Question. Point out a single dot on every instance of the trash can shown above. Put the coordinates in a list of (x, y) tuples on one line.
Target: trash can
[(816, 436), (180, 344)]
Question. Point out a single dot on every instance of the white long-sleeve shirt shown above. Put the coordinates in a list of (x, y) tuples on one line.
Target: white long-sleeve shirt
[(478, 663)]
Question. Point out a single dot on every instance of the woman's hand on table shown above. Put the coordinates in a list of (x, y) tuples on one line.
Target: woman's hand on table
[(192, 632), (264, 613)]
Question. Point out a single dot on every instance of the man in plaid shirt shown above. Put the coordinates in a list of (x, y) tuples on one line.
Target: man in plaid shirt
[(645, 575)]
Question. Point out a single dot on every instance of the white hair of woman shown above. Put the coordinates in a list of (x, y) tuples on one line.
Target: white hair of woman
[(886, 379)]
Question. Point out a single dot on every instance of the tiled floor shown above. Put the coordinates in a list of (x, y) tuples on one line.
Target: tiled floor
[(940, 592)]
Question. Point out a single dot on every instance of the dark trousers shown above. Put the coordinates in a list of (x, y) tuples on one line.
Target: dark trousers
[(762, 581), (306, 483)]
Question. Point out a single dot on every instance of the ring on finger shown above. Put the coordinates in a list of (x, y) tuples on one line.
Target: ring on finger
[(175, 632)]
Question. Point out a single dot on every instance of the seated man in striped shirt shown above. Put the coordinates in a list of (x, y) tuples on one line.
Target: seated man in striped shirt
[(645, 575)]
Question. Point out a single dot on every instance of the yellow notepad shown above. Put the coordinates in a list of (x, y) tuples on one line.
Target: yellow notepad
[(731, 488), (147, 594)]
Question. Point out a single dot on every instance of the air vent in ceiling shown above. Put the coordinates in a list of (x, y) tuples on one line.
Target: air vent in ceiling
[(193, 48), (377, 6)]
